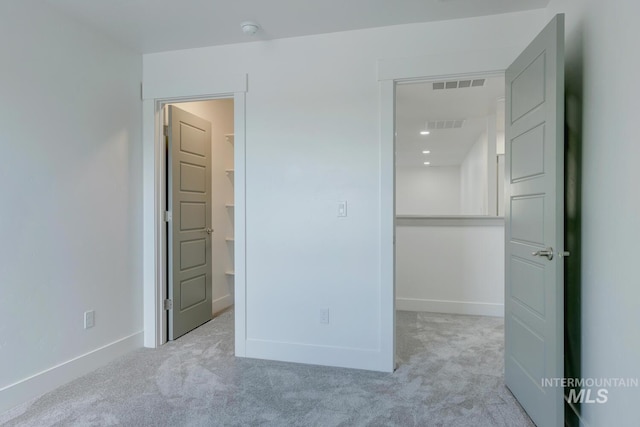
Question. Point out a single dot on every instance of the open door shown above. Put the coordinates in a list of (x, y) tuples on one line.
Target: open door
[(534, 229), (189, 202)]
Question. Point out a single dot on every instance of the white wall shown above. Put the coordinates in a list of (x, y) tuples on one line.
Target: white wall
[(492, 167), (312, 140), (450, 266), (474, 176), (70, 222), (219, 112), (602, 72), (500, 178), (428, 190)]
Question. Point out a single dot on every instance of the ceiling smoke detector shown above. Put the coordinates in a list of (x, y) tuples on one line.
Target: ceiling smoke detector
[(249, 27)]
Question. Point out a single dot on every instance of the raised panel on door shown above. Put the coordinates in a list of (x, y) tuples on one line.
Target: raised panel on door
[(527, 154)]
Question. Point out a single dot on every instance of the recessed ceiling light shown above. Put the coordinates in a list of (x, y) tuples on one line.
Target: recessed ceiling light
[(427, 163), (425, 132), (426, 152)]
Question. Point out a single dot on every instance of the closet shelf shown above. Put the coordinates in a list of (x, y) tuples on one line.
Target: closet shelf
[(231, 178)]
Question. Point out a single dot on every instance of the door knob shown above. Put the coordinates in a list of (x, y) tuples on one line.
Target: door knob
[(209, 230), (544, 252)]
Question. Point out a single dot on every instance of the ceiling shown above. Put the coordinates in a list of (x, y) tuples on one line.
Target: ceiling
[(160, 25), (419, 103)]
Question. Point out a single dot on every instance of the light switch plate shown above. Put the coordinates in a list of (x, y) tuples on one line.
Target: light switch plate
[(342, 209)]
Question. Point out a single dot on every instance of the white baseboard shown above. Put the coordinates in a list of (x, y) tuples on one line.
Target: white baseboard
[(56, 376), (454, 307), (222, 303), (341, 357)]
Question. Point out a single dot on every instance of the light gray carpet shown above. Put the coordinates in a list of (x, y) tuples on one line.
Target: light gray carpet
[(449, 374)]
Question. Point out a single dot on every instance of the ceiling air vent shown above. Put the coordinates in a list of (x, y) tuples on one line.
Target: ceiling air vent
[(445, 124), (458, 84)]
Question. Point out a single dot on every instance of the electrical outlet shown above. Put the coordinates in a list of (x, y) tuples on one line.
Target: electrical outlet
[(324, 315), (89, 319)]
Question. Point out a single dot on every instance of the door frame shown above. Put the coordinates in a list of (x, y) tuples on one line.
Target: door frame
[(154, 199), (463, 64)]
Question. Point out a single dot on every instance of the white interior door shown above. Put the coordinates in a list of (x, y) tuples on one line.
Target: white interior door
[(189, 201), (534, 214)]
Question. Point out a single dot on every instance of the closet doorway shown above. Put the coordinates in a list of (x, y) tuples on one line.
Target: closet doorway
[(199, 253)]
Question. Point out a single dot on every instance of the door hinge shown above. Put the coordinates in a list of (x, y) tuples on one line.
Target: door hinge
[(168, 304), (167, 216), (165, 129)]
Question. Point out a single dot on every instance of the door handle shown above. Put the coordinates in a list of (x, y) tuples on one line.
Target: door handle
[(208, 230), (544, 252)]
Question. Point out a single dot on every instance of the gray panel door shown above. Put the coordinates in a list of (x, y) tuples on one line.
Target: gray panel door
[(189, 200), (534, 215)]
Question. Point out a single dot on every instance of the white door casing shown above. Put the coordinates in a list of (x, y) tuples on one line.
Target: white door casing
[(534, 224), (189, 239), (156, 94)]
